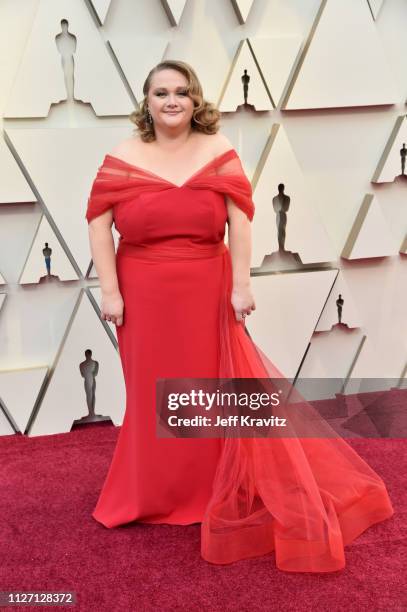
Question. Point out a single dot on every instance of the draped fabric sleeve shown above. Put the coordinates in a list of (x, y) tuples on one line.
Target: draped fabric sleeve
[(226, 175), (117, 182), (100, 199)]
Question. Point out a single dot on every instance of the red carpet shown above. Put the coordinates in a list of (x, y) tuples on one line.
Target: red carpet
[(49, 541)]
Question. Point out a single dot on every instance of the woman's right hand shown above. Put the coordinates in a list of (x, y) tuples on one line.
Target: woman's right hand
[(112, 308)]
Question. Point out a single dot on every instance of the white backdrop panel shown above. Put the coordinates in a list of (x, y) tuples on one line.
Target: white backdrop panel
[(35, 267), (375, 6), (40, 79), (350, 314), (232, 96), (5, 427), (346, 63), (331, 353), (242, 8), (370, 235), (305, 233), (65, 399), (389, 166), (63, 163), (287, 310), (174, 10), (19, 390), (101, 7), (13, 186), (276, 57), (18, 224)]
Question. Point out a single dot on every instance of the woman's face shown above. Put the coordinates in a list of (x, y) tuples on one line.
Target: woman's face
[(168, 100)]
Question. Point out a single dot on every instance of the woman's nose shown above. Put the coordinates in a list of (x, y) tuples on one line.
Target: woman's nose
[(172, 99)]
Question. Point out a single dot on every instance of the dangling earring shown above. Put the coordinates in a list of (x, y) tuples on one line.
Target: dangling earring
[(149, 117)]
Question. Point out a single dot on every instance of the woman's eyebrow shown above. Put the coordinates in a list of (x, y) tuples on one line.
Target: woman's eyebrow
[(179, 87)]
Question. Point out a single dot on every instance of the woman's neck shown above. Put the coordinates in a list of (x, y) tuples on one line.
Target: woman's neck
[(171, 142)]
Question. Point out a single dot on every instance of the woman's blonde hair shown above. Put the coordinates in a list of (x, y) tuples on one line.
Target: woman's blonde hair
[(205, 117)]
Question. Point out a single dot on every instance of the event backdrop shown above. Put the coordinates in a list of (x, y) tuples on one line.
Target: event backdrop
[(312, 95)]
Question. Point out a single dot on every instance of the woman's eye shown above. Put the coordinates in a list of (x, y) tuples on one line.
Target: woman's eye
[(180, 93)]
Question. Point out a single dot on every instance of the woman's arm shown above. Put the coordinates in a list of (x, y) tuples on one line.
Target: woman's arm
[(104, 258), (239, 238)]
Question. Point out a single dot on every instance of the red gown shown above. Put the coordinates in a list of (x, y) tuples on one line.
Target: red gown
[(303, 498)]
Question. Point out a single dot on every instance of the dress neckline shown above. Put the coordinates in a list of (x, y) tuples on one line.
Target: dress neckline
[(161, 178)]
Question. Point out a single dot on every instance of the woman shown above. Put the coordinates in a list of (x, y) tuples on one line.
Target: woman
[(179, 297)]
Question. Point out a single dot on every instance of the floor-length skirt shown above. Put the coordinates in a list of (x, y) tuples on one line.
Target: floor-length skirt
[(170, 330), (303, 498)]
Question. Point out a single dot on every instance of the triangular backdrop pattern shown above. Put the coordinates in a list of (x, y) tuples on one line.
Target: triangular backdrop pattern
[(40, 79), (390, 167), (65, 399), (350, 315), (347, 56), (305, 233), (287, 310), (232, 95), (19, 390), (35, 267), (370, 235), (174, 10), (13, 186), (101, 7), (242, 9), (74, 154)]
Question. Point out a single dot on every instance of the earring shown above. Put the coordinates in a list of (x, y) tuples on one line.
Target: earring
[(149, 117)]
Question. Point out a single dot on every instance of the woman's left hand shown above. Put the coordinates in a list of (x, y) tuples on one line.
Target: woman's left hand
[(243, 302)]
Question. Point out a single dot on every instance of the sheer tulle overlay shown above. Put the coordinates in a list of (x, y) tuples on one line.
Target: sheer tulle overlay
[(303, 498)]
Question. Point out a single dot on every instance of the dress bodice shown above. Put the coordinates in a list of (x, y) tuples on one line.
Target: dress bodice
[(180, 214), (148, 208)]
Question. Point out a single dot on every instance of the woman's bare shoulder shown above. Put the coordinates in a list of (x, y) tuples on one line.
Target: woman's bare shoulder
[(220, 143), (214, 144), (127, 148)]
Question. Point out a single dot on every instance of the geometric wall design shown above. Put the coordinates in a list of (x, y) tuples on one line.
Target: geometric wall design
[(242, 9), (353, 73), (370, 235), (276, 57), (332, 353), (287, 310), (19, 390), (392, 163), (35, 267), (6, 429), (65, 398), (306, 238), (375, 6), (13, 186), (101, 7), (56, 158), (174, 9), (333, 310), (126, 49), (40, 79), (18, 224), (232, 95)]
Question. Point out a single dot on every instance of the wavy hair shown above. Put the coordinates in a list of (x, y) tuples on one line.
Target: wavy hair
[(205, 116)]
